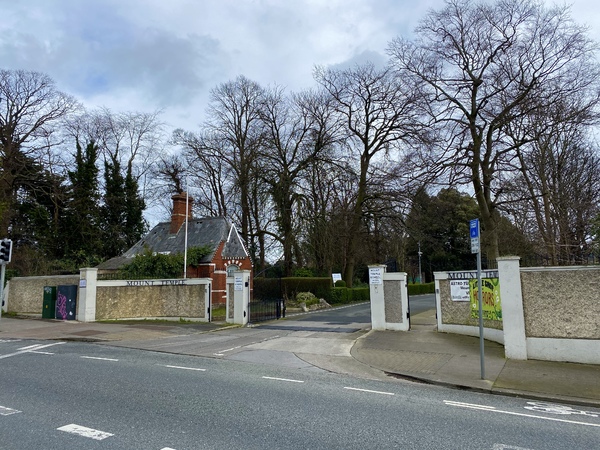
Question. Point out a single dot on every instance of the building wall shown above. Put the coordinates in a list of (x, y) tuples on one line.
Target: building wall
[(219, 274), (217, 271)]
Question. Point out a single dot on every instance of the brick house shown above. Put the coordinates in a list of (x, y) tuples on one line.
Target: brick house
[(228, 250)]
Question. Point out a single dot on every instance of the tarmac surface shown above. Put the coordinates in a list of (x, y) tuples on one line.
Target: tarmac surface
[(421, 354)]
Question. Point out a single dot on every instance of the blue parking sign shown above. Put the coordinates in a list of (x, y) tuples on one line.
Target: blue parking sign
[(474, 228)]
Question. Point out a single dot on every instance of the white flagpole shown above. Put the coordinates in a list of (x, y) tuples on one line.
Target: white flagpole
[(187, 205)]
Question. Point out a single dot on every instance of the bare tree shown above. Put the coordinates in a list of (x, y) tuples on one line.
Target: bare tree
[(234, 120), (481, 66), (296, 135), (379, 112), (31, 109), (558, 189), (209, 173)]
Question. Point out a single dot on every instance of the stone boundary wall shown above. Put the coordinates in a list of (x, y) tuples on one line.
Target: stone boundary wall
[(115, 299), (459, 312), (562, 303), (118, 302), (25, 295), (548, 313)]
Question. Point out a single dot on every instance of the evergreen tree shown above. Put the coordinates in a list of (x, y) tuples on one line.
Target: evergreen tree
[(38, 212), (113, 216), (135, 225), (123, 222), (82, 224)]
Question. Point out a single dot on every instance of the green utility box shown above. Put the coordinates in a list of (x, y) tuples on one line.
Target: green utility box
[(49, 306)]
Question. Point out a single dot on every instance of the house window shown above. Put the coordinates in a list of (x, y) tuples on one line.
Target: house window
[(232, 268)]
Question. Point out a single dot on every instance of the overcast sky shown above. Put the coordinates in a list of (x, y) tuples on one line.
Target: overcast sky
[(144, 55)]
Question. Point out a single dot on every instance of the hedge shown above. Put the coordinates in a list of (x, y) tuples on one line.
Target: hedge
[(420, 289), (319, 286), (342, 295)]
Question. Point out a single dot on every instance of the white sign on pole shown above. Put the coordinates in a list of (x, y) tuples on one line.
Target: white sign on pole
[(474, 233), (375, 275), (475, 245), (336, 277), (459, 290), (238, 283)]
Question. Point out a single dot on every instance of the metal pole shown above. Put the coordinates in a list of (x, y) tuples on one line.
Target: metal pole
[(420, 273), (2, 273), (479, 298), (187, 205)]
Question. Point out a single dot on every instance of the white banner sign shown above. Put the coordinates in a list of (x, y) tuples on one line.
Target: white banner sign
[(459, 290)]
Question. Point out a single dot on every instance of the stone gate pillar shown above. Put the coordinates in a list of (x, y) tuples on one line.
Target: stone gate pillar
[(241, 296), (389, 299), (86, 295), (513, 317)]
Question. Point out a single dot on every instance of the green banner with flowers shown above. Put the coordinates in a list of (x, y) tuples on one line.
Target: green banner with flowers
[(490, 296)]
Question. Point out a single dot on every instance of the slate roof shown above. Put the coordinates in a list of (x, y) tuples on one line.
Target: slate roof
[(208, 231)]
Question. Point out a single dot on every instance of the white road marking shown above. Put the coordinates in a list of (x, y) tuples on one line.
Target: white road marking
[(96, 357), (225, 351), (468, 405), (9, 340), (557, 409), (4, 411), (30, 349), (283, 379), (184, 368), (85, 432), (167, 448), (370, 391), (493, 409), (508, 447), (41, 353), (220, 353)]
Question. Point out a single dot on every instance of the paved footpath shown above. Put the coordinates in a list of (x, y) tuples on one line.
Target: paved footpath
[(420, 354), (454, 360)]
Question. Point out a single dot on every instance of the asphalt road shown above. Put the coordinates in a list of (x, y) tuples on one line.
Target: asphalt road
[(72, 395), (361, 314)]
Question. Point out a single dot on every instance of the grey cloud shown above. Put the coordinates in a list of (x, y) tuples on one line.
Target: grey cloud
[(367, 56)]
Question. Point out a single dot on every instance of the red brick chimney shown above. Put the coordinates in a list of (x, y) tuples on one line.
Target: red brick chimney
[(178, 214)]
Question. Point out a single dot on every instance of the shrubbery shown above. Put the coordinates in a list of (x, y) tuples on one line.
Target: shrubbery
[(419, 289), (308, 298), (342, 295), (320, 287), (155, 265)]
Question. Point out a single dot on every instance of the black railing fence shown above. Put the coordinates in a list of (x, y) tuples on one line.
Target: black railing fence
[(263, 309)]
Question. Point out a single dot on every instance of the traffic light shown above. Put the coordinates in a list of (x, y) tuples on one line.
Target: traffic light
[(5, 251)]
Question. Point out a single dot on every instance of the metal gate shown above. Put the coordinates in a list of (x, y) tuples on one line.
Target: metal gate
[(265, 309)]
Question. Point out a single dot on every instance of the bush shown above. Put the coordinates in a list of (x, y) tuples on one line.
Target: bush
[(340, 283), (303, 272), (420, 289), (155, 265), (267, 288), (337, 296), (308, 298), (318, 286), (343, 295), (361, 294)]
